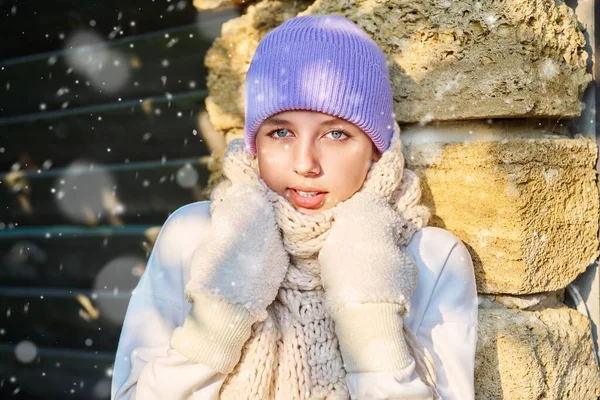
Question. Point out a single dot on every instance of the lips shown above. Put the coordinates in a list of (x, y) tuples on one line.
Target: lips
[(310, 202)]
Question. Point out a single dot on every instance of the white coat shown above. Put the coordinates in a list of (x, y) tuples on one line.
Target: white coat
[(443, 316)]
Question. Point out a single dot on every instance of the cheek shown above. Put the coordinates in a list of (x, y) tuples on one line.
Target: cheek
[(348, 172), (272, 169)]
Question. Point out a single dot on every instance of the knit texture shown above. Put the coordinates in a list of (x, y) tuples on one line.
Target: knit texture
[(294, 353), (371, 339), (323, 63), (214, 332)]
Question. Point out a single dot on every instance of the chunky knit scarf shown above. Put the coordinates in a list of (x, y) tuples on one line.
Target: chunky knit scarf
[(294, 353)]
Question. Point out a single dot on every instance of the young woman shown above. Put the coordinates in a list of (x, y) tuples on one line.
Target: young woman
[(310, 274)]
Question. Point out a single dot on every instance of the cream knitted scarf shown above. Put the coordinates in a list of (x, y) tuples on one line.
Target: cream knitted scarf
[(294, 353)]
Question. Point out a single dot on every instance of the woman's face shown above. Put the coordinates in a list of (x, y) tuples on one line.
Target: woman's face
[(314, 160)]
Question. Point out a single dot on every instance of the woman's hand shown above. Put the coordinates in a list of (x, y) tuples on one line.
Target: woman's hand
[(362, 259), (234, 276), (368, 278), (244, 261)]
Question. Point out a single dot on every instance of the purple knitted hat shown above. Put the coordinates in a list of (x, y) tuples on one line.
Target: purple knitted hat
[(322, 63)]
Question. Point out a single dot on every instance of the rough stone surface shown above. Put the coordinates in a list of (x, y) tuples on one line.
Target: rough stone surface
[(531, 302), (535, 355), (527, 209), (464, 59)]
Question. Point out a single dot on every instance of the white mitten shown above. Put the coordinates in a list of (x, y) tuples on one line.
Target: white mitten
[(234, 276), (245, 260), (368, 278)]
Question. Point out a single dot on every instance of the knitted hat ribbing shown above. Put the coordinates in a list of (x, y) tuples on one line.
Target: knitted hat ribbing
[(322, 63)]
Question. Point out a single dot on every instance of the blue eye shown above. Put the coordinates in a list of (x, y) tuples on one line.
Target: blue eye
[(338, 135), (283, 133), (277, 134)]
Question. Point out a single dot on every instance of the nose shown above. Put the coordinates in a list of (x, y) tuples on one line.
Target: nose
[(306, 158)]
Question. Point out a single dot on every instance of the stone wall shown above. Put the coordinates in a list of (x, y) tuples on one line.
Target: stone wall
[(527, 208), (480, 88)]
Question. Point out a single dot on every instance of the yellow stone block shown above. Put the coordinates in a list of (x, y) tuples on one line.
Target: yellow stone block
[(527, 209), (544, 354)]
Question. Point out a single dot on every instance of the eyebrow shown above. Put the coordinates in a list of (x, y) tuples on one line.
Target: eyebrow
[(281, 121)]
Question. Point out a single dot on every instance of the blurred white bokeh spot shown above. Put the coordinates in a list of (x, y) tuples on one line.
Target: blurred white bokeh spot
[(26, 351), (117, 278), (101, 389), (187, 176), (107, 69), (81, 191)]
